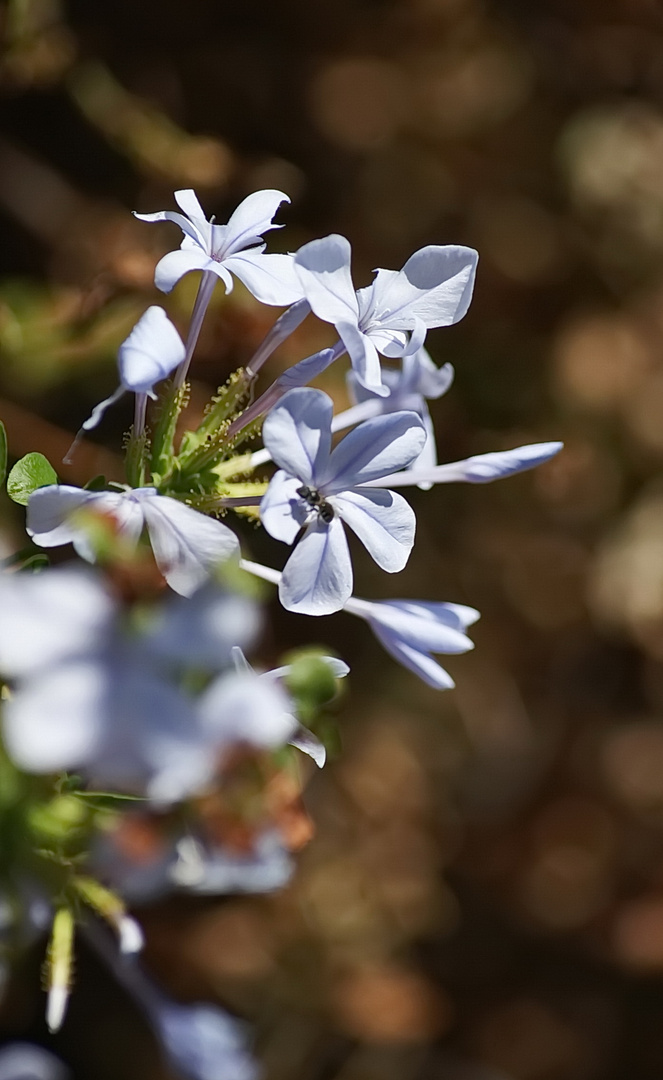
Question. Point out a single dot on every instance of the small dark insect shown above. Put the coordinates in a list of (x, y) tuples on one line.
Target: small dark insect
[(315, 500)]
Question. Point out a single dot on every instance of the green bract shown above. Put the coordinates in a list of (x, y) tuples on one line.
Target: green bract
[(31, 472)]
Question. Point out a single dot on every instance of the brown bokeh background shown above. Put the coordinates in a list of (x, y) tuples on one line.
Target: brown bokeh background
[(484, 895)]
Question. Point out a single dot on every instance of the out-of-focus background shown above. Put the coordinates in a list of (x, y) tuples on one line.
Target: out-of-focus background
[(483, 897)]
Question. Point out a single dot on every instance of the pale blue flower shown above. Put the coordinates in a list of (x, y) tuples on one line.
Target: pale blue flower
[(391, 316), (187, 545), (202, 1041), (411, 630), (25, 1061), (316, 489), (236, 248)]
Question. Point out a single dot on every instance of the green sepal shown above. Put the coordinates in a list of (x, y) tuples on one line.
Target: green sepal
[(171, 402), (311, 681), (135, 465), (31, 472), (220, 410), (97, 483)]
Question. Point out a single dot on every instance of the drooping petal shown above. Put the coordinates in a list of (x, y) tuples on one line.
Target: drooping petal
[(433, 627), (317, 579), (282, 511), (304, 371), (364, 356), (47, 617), (371, 450), (253, 217), (243, 707), (435, 286), (323, 268), (284, 326), (187, 545), (176, 264), (384, 522), (270, 278), (416, 660), (309, 744), (297, 433), (481, 469), (188, 227), (49, 511), (428, 378), (153, 349)]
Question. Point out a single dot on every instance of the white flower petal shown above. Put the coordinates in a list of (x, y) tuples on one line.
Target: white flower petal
[(371, 450), (49, 510), (270, 278), (176, 264), (187, 227), (435, 285), (417, 661), (317, 579), (187, 545), (297, 433), (242, 707), (253, 217), (282, 510), (364, 356), (323, 268), (383, 521)]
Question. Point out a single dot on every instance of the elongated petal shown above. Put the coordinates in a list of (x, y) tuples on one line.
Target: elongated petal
[(271, 278), (417, 661), (187, 545), (427, 378), (481, 469), (153, 349), (372, 450), (55, 722), (323, 268), (383, 521), (307, 369), (176, 264), (435, 285), (47, 617), (282, 510), (309, 744), (297, 433), (243, 707), (433, 627), (187, 227), (317, 579), (364, 356), (253, 217)]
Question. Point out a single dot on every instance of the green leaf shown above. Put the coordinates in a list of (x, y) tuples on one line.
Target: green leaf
[(31, 472), (3, 453)]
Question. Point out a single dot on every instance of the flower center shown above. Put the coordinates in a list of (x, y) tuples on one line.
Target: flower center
[(316, 502)]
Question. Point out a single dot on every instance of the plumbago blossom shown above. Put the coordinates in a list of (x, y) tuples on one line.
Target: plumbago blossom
[(131, 696)]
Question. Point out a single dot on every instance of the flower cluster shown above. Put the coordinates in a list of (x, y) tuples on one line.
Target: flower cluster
[(128, 698)]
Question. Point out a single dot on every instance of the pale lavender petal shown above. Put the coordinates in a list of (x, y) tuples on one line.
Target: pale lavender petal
[(243, 707), (317, 579), (284, 326), (47, 617), (253, 217), (55, 721), (323, 267), (203, 1042), (373, 450), (282, 510), (364, 356), (428, 379), (309, 744), (153, 349), (203, 629), (176, 264), (49, 511), (428, 625), (270, 278), (187, 545), (307, 369), (435, 285), (187, 200), (391, 343), (297, 433), (187, 227), (384, 522)]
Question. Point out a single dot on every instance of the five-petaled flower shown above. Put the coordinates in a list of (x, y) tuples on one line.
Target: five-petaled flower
[(235, 248), (391, 316), (316, 489)]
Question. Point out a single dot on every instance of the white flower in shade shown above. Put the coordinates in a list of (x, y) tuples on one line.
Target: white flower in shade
[(391, 316), (89, 696), (411, 630), (317, 489), (187, 545), (235, 248)]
